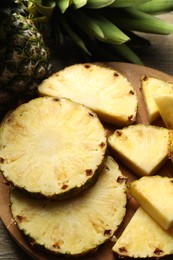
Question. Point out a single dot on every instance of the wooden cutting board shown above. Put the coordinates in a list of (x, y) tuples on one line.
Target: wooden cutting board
[(134, 74)]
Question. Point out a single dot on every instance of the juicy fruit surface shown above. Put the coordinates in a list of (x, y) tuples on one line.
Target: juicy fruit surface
[(105, 91), (51, 146), (152, 87), (155, 195), (143, 148), (150, 240), (130, 210), (24, 61), (165, 106), (77, 225)]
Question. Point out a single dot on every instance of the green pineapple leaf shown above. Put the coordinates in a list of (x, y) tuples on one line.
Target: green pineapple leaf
[(156, 6), (79, 3), (128, 3), (112, 33)]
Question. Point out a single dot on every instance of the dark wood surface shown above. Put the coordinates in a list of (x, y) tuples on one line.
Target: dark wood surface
[(158, 56)]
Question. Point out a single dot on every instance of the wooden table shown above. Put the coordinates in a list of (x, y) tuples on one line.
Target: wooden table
[(158, 56)]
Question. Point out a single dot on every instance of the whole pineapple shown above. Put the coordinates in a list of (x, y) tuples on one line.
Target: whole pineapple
[(24, 58)]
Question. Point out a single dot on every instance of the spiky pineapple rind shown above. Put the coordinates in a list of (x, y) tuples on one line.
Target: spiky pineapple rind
[(25, 61)]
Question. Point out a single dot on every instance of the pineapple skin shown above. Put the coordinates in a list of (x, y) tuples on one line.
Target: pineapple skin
[(24, 61)]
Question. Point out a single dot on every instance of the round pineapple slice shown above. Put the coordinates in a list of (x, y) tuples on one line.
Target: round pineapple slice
[(104, 90), (52, 147), (77, 225)]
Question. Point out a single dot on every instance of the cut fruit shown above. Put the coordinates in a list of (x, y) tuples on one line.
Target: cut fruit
[(150, 88), (165, 106), (143, 148), (52, 147), (143, 237), (170, 153), (155, 196), (77, 225), (105, 91)]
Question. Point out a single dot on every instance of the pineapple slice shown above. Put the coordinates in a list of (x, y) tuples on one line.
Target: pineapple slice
[(143, 148), (105, 91), (77, 225), (150, 88), (170, 153), (165, 107), (52, 147), (155, 195), (143, 237)]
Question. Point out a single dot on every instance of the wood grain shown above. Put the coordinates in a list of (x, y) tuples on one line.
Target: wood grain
[(158, 56)]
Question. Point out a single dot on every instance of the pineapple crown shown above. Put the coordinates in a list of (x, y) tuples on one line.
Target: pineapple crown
[(105, 27)]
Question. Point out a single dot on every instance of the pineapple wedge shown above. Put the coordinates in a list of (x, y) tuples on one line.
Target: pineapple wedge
[(77, 225), (143, 237), (155, 195), (150, 88), (105, 91), (52, 147), (143, 148), (165, 106)]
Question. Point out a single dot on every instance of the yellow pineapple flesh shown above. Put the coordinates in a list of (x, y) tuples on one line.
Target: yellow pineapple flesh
[(143, 237), (104, 90), (143, 148), (152, 87), (155, 196), (52, 147), (77, 225), (165, 107)]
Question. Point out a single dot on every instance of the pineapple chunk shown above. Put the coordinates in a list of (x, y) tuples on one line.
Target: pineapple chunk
[(52, 147), (143, 237), (105, 91), (155, 195), (77, 225), (150, 88), (143, 148), (165, 106)]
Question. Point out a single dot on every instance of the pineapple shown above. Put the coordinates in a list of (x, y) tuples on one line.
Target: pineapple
[(77, 225), (102, 29), (143, 148), (24, 58), (152, 87), (105, 91), (170, 153), (165, 107), (155, 196), (143, 237), (103, 33), (52, 147)]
